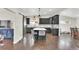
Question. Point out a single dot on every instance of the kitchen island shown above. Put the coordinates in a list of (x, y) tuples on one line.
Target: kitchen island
[(39, 33)]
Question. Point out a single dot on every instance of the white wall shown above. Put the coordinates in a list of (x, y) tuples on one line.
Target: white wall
[(16, 23), (66, 22), (77, 22), (5, 15), (18, 28)]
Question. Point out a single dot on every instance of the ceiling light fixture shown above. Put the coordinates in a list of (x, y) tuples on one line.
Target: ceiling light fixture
[(39, 12)]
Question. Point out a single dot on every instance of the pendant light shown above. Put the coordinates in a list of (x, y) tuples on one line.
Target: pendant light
[(39, 12)]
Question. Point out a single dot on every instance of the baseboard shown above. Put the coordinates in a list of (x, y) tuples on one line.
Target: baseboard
[(17, 41)]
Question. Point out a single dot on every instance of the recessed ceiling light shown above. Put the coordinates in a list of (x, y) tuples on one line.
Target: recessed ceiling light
[(50, 9)]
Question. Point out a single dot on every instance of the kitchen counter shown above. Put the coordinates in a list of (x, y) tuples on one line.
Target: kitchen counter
[(43, 26), (48, 27), (39, 29), (39, 33)]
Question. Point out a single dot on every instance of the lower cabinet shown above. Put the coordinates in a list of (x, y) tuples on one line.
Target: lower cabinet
[(55, 32), (28, 30), (48, 30)]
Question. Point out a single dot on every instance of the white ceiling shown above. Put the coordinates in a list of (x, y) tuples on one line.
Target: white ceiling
[(35, 11), (71, 12)]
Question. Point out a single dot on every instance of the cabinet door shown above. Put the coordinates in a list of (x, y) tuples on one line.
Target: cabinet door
[(27, 20), (44, 21), (55, 32), (9, 24), (55, 19)]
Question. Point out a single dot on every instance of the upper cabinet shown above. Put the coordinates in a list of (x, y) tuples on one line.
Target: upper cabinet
[(27, 20), (55, 19), (37, 21), (44, 21)]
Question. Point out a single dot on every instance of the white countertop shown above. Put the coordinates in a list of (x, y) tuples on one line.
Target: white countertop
[(42, 25), (39, 29)]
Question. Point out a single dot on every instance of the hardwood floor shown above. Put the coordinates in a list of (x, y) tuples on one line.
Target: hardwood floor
[(46, 44), (64, 42), (49, 43), (6, 45)]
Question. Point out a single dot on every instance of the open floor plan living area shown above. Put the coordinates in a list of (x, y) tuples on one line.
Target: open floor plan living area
[(39, 28)]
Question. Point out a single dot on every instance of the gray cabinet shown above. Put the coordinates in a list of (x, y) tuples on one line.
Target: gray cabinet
[(27, 20), (44, 21), (55, 19), (28, 30), (55, 32)]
